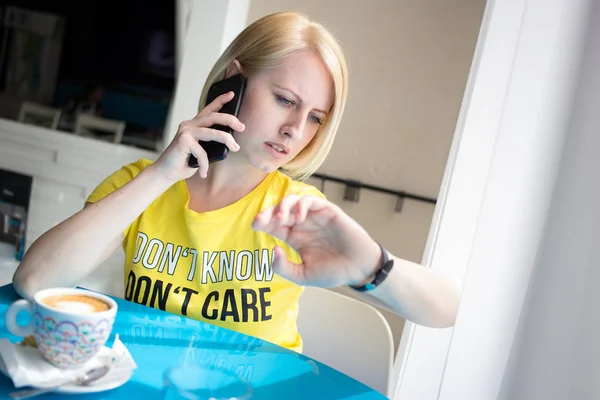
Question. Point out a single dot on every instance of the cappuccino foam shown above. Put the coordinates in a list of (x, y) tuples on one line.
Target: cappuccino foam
[(75, 303)]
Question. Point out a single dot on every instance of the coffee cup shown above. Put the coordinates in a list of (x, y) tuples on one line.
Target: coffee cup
[(69, 325)]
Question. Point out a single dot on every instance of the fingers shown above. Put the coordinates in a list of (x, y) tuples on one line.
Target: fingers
[(208, 134), (213, 119), (190, 134), (199, 129), (292, 210), (217, 104), (200, 154), (302, 207), (271, 218), (221, 119), (174, 160), (283, 213)]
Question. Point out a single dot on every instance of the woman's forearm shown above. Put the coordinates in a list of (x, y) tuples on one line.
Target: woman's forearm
[(71, 250), (420, 294)]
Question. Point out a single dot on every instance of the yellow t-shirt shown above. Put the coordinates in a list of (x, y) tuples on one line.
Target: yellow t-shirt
[(211, 266)]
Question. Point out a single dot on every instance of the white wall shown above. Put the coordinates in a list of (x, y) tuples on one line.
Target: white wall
[(556, 354)]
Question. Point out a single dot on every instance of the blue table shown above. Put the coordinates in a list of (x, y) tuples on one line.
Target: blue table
[(158, 340)]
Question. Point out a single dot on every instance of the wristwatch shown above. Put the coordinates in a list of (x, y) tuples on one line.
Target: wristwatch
[(380, 275)]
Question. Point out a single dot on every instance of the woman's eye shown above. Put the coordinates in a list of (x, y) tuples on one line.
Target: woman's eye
[(284, 101), (316, 119)]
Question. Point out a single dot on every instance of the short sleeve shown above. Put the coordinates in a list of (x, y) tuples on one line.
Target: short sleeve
[(116, 180)]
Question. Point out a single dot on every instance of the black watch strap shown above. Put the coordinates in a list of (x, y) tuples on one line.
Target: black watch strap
[(380, 275)]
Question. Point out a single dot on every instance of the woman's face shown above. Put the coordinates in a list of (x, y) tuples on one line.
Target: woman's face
[(282, 109)]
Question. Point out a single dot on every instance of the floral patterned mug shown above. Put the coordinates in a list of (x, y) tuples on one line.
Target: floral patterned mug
[(69, 325)]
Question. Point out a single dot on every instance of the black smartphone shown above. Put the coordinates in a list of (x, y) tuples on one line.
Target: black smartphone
[(217, 151)]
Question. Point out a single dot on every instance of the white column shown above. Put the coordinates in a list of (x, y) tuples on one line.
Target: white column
[(183, 9), (211, 26), (496, 194)]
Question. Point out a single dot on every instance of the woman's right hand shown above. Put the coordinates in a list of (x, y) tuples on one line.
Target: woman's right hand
[(173, 162)]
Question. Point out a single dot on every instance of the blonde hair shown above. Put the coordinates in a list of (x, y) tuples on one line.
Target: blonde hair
[(264, 44)]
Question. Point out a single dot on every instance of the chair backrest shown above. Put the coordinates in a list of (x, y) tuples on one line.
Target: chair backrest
[(39, 114), (348, 335), (85, 124)]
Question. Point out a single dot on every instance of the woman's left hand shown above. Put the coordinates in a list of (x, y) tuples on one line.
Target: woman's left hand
[(334, 248)]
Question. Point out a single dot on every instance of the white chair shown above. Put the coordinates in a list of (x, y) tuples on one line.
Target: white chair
[(85, 124), (40, 115), (348, 335)]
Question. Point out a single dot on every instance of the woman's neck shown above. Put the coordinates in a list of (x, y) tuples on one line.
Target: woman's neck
[(227, 182)]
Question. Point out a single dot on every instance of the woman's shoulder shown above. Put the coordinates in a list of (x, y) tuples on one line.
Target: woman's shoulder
[(129, 171), (137, 166), (117, 179), (283, 185)]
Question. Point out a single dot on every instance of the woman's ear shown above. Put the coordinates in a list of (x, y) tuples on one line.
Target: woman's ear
[(234, 68)]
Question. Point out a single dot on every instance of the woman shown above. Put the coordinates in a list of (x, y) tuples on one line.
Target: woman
[(200, 242)]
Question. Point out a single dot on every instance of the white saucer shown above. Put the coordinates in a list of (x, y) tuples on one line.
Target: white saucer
[(107, 382), (100, 385)]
